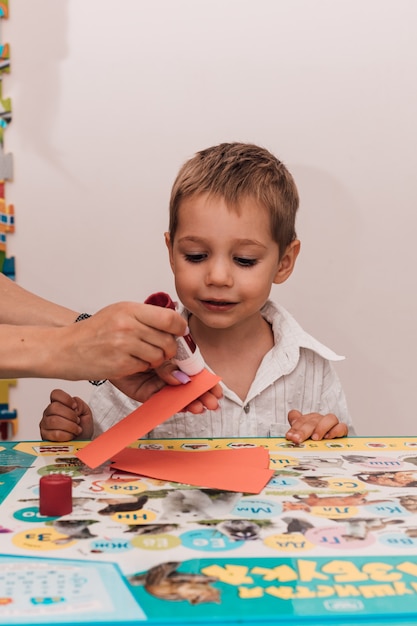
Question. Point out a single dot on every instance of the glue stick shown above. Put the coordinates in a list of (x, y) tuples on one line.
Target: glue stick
[(188, 356)]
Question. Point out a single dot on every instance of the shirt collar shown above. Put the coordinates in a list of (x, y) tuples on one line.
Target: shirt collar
[(289, 336)]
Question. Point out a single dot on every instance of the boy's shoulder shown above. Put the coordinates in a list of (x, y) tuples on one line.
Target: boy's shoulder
[(290, 336)]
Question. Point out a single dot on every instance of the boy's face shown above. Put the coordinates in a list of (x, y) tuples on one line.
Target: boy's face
[(225, 260)]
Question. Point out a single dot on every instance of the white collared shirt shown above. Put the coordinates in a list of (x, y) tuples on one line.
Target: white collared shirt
[(296, 373)]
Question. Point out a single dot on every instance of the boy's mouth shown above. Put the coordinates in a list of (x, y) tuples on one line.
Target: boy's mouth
[(218, 304)]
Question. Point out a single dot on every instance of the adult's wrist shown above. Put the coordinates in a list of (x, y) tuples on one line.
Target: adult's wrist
[(80, 318)]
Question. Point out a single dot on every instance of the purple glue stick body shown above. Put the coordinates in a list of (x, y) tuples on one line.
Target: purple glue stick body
[(188, 356)]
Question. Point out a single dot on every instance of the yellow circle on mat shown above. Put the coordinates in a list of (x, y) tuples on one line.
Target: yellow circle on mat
[(124, 488), (156, 542), (288, 542), (141, 516), (44, 538)]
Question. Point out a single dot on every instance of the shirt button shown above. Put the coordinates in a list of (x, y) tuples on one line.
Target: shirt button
[(246, 408)]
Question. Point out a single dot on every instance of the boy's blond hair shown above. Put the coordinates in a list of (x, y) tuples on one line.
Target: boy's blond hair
[(235, 171)]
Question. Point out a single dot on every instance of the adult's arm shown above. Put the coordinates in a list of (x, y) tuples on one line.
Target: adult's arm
[(19, 306)]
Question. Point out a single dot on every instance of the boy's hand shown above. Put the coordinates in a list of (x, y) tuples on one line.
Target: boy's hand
[(314, 426), (66, 418), (143, 385)]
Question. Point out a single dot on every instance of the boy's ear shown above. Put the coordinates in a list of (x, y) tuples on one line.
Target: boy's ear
[(287, 262), (169, 246)]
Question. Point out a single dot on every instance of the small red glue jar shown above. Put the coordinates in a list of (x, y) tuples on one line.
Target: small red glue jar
[(55, 495), (188, 356)]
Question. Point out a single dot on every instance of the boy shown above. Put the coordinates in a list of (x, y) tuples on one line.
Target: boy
[(231, 236)]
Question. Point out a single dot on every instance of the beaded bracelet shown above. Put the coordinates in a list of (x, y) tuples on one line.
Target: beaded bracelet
[(82, 316)]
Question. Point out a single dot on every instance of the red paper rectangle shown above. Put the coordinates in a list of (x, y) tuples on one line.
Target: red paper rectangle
[(245, 470)]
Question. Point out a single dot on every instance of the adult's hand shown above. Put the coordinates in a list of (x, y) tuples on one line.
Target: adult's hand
[(142, 385), (122, 339)]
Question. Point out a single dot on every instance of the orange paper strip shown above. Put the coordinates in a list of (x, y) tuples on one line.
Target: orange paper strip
[(255, 455), (245, 470), (154, 411)]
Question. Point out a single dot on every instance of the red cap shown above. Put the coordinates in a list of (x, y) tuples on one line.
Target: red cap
[(55, 495), (161, 299)]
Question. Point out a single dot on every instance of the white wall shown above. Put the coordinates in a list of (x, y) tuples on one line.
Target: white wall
[(110, 98)]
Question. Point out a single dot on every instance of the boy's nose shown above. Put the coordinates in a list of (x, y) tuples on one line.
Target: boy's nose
[(219, 273)]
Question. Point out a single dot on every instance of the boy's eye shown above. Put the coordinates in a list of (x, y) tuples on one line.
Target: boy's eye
[(245, 262), (195, 258)]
